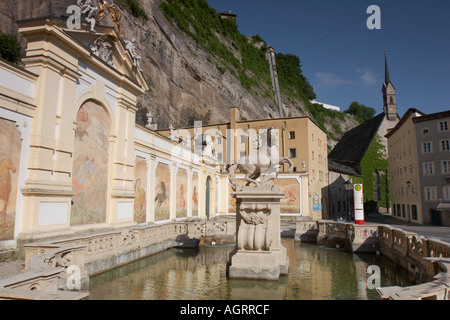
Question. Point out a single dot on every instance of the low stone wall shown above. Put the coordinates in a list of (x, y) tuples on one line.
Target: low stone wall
[(426, 259), (355, 238), (60, 269)]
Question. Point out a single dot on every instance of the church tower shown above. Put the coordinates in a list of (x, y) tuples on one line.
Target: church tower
[(389, 103)]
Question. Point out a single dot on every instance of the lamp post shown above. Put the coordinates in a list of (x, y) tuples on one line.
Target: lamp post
[(349, 187)]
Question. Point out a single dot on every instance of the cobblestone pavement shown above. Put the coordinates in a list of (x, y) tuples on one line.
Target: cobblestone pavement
[(441, 233)]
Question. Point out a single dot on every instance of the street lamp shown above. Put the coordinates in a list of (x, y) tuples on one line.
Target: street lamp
[(349, 187)]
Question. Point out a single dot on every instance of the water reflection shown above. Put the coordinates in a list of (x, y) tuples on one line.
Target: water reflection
[(315, 273)]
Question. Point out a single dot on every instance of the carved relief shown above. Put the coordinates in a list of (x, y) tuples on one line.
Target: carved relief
[(254, 230), (102, 48)]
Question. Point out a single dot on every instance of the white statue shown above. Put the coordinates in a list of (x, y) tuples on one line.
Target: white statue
[(90, 10), (261, 168), (103, 49), (209, 147), (131, 47)]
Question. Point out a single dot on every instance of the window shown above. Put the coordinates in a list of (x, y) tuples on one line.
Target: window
[(430, 194), (292, 153), (219, 140), (403, 211), (425, 131), (428, 168), (414, 212), (242, 154), (446, 193), (426, 147), (242, 139), (219, 157), (443, 126), (292, 135), (445, 166), (445, 145)]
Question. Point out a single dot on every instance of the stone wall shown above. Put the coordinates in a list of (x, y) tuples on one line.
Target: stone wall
[(426, 259), (48, 264)]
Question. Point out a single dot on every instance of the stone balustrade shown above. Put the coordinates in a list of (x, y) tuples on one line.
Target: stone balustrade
[(47, 263), (428, 260), (355, 238)]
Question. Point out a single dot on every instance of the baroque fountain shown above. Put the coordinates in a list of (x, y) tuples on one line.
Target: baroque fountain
[(259, 253)]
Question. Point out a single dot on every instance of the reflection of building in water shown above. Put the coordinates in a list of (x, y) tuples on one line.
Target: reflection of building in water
[(315, 273)]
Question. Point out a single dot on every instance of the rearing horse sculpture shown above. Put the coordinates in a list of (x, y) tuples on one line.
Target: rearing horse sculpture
[(260, 168), (5, 184)]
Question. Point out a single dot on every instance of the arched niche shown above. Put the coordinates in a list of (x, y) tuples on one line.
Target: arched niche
[(90, 164)]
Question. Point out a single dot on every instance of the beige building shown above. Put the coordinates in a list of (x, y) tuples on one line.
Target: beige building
[(419, 159), (300, 139), (72, 159)]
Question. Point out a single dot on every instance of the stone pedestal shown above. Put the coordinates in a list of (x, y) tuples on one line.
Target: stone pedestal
[(259, 253)]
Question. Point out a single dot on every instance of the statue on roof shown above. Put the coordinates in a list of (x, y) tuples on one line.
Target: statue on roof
[(131, 47), (90, 10)]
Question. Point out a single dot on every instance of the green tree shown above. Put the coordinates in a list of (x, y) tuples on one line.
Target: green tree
[(291, 77), (9, 47), (361, 112)]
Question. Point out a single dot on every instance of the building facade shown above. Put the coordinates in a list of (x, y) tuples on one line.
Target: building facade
[(419, 154), (72, 158), (299, 139)]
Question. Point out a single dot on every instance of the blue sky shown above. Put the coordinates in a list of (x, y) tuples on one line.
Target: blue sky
[(344, 60)]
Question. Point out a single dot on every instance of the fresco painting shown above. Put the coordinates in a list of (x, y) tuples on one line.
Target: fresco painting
[(162, 192), (90, 165), (10, 151), (195, 189), (181, 193), (291, 188), (140, 189)]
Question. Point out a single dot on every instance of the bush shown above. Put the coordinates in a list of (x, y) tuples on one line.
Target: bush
[(135, 8), (361, 112), (9, 47)]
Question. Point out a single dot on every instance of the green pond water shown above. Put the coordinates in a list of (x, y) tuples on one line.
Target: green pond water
[(315, 273)]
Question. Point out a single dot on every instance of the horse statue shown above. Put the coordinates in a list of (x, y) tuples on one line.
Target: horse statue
[(261, 168), (6, 165)]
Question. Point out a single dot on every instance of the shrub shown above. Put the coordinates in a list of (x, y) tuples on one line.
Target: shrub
[(9, 47)]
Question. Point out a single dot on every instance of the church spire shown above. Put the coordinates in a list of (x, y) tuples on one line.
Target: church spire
[(389, 103), (387, 77)]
